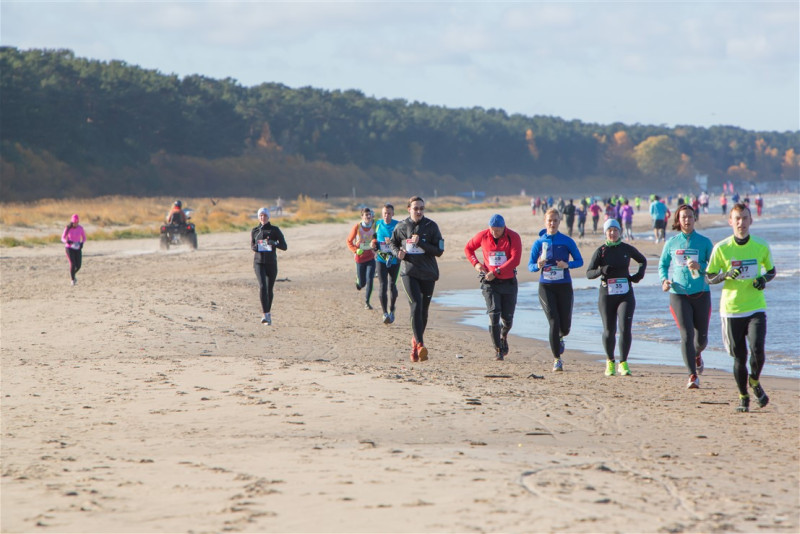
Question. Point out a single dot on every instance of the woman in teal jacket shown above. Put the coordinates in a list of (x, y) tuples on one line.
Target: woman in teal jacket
[(689, 297)]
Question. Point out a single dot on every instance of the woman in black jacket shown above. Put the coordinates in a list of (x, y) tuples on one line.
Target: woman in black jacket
[(616, 301), (265, 239)]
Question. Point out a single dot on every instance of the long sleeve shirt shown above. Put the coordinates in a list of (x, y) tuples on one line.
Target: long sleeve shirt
[(73, 236), (420, 259), (501, 256), (559, 247), (679, 249)]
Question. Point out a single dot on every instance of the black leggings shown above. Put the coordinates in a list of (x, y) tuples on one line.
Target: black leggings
[(366, 275), (617, 309), (501, 301), (737, 333), (692, 314), (556, 301), (75, 257), (265, 274), (420, 293), (387, 276)]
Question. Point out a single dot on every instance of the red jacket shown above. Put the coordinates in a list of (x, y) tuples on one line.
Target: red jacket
[(501, 258)]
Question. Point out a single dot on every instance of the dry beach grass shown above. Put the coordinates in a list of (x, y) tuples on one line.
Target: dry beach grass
[(149, 398)]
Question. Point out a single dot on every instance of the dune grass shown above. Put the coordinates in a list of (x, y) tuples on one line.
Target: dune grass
[(119, 217)]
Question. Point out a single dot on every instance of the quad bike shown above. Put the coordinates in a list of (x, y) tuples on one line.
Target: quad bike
[(178, 234)]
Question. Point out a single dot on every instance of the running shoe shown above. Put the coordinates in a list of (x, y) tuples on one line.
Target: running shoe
[(744, 403), (761, 396), (561, 345), (504, 346), (414, 353), (74, 282), (358, 286), (694, 382), (367, 306), (699, 363), (624, 370), (610, 368), (386, 318), (557, 365), (498, 355), (391, 317), (422, 352), (267, 319)]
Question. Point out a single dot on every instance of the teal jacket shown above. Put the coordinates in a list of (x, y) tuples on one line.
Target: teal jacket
[(676, 250)]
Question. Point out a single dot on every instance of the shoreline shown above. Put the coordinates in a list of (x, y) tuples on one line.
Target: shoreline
[(149, 398)]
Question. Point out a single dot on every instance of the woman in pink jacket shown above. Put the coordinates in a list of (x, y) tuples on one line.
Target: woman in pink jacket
[(73, 238)]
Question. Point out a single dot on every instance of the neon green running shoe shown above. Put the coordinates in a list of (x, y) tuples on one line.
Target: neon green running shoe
[(610, 368), (623, 369)]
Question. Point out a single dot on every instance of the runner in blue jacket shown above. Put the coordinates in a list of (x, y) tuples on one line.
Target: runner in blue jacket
[(550, 254)]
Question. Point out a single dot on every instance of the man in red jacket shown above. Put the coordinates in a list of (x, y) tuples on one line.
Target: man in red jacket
[(501, 250)]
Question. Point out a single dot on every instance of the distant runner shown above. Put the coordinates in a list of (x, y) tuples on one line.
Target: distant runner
[(265, 240), (73, 238), (360, 241), (388, 265)]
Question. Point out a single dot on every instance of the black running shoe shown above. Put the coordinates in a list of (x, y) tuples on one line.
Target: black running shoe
[(744, 404), (504, 346), (761, 396)]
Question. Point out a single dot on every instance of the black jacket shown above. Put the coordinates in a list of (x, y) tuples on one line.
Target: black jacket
[(271, 234), (421, 266), (613, 262)]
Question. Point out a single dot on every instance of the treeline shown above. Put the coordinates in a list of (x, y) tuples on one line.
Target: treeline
[(79, 127)]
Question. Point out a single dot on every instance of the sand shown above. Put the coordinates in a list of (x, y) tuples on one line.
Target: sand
[(149, 398)]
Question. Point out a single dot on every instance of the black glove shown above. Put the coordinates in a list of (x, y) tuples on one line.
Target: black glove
[(760, 283), (733, 274), (272, 242), (69, 242), (80, 246)]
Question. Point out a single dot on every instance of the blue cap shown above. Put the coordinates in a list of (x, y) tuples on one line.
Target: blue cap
[(497, 221), (611, 223)]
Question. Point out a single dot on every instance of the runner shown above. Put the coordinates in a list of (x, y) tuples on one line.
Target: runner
[(658, 212), (759, 204), (594, 209), (723, 203), (265, 239), (581, 213), (417, 242), (360, 241), (744, 263), (73, 238), (689, 296), (388, 265), (569, 215), (550, 254), (626, 214), (616, 301), (502, 250)]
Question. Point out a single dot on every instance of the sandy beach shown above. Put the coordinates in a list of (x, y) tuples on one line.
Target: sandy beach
[(150, 398)]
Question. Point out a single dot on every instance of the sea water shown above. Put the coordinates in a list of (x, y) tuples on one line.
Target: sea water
[(656, 339)]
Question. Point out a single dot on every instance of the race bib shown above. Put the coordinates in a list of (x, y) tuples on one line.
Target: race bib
[(553, 273), (263, 246), (384, 248), (617, 286), (684, 256), (497, 258), (411, 248), (75, 245), (749, 269)]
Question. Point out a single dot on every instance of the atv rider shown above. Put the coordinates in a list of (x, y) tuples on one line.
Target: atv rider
[(176, 215)]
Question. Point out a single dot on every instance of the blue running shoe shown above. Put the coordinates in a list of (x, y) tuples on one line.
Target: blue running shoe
[(561, 345), (557, 365)]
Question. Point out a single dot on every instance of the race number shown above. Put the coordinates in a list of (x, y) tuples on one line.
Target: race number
[(748, 268), (263, 245), (411, 248), (497, 258), (617, 286), (684, 256), (553, 273)]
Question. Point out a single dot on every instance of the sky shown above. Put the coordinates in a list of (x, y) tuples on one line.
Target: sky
[(658, 63)]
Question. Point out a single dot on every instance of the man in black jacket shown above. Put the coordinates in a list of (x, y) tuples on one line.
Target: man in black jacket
[(417, 242)]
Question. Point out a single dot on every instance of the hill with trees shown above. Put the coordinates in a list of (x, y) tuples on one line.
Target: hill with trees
[(76, 127)]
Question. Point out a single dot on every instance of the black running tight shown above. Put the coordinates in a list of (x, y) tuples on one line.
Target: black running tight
[(420, 293), (737, 334), (387, 276), (692, 314), (617, 309), (556, 301)]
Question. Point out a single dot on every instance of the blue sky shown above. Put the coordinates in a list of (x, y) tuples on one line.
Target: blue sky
[(663, 63)]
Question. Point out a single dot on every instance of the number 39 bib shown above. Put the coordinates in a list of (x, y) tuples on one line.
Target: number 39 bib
[(618, 286), (497, 258)]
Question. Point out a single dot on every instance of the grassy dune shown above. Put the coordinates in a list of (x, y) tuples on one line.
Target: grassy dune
[(119, 217)]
